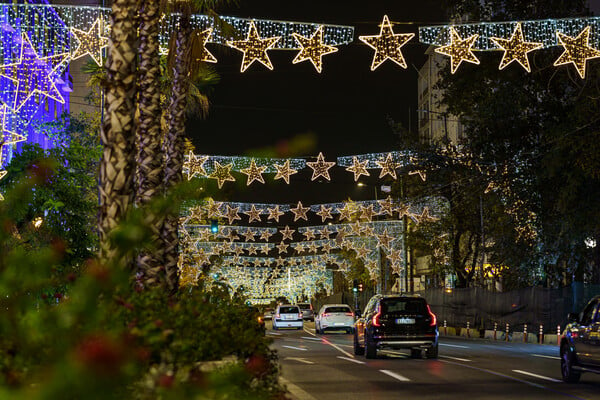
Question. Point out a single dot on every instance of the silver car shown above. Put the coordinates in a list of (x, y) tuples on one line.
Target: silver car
[(334, 317), (287, 316), (307, 311)]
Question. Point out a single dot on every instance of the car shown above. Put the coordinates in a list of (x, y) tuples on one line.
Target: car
[(287, 316), (580, 343), (307, 311), (334, 317), (268, 313), (396, 322)]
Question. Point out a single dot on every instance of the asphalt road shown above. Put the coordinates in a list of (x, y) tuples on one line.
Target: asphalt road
[(324, 367)]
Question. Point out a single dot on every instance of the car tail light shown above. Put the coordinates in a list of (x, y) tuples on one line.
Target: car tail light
[(376, 317), (324, 315), (260, 320), (350, 314), (311, 307), (433, 317), (277, 316), (299, 315)]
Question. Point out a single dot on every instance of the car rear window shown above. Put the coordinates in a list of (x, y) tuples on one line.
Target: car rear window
[(393, 306), (340, 309), (288, 310), (304, 306)]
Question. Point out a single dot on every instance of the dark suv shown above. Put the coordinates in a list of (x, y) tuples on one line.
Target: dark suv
[(396, 322), (580, 343)]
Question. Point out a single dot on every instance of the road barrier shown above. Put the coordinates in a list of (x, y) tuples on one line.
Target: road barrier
[(541, 335), (506, 337), (495, 330), (525, 333)]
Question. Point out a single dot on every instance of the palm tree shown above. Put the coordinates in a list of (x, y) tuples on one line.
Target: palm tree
[(117, 166)]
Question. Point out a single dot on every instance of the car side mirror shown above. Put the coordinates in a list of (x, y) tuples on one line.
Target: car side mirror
[(573, 317)]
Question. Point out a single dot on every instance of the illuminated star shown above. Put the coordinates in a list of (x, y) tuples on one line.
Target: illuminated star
[(232, 235), (91, 42), (422, 174), (313, 49), (346, 212), (254, 173), (239, 250), (403, 210), (320, 167), (388, 166), (232, 214), (7, 137), (254, 48), (326, 247), (384, 240), (195, 165), (196, 213), (284, 171), (361, 252), (300, 212), (265, 235), (459, 50), (222, 173), (299, 247), (324, 233), (251, 249), (248, 235), (368, 230), (516, 48), (313, 248), (387, 45), (30, 75), (425, 216), (367, 212), (213, 208), (253, 214), (282, 247), (386, 206), (287, 233), (204, 54), (577, 50), (274, 213), (324, 213), (279, 261), (358, 168), (357, 228), (309, 234), (265, 248)]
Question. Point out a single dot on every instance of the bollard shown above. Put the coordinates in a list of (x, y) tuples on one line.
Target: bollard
[(468, 330), (445, 328), (495, 329), (524, 333), (541, 336), (507, 329), (558, 334)]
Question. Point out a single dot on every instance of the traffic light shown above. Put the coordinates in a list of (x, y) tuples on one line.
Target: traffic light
[(360, 287), (214, 226), (355, 286)]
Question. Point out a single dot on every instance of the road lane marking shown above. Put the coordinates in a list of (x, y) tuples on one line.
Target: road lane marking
[(351, 360), (296, 391), (295, 348), (543, 356), (512, 378), (456, 358), (395, 375), (518, 371), (310, 333), (337, 348), (454, 345), (310, 338), (274, 333), (302, 360)]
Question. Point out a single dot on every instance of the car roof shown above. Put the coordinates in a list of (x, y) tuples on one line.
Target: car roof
[(335, 305)]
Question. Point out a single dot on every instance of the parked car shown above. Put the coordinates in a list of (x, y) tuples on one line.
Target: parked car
[(334, 317), (268, 314), (287, 316), (396, 322), (307, 311), (580, 343)]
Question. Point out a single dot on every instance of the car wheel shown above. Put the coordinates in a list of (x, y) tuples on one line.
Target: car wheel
[(370, 348), (415, 353), (566, 365), (432, 352), (358, 349)]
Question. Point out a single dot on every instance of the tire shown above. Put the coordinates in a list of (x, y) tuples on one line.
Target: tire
[(432, 352), (415, 353), (566, 365), (370, 348), (358, 349)]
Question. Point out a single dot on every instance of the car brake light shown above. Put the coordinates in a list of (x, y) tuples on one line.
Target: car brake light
[(324, 315), (277, 316), (376, 321), (433, 317), (299, 315), (311, 307), (350, 314)]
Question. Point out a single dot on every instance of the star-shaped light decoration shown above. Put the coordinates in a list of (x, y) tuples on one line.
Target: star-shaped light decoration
[(91, 42), (254, 173), (282, 247), (232, 214), (384, 240), (324, 233), (516, 48), (368, 230), (426, 217), (357, 228), (238, 250), (300, 212), (254, 48), (346, 212), (320, 167), (232, 235), (309, 234), (422, 174), (459, 50), (326, 248), (31, 75), (274, 213), (265, 248), (324, 213), (284, 171), (313, 49), (222, 173), (388, 166), (201, 256), (403, 210), (367, 212), (248, 235), (313, 247), (577, 50), (251, 249), (253, 214), (7, 137), (387, 45), (287, 233), (358, 168), (279, 261), (213, 208), (362, 252), (204, 54), (265, 235), (386, 206), (196, 213), (195, 165), (205, 235), (299, 247)]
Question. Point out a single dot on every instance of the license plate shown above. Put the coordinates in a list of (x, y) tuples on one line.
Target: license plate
[(339, 323), (405, 321)]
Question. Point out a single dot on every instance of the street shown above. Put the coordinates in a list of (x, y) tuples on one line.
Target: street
[(324, 367)]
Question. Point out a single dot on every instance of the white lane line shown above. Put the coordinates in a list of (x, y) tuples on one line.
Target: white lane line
[(295, 348), (512, 378), (543, 356), (310, 333), (338, 348), (351, 360), (395, 375), (456, 358), (296, 391), (274, 333), (518, 371), (302, 360), (454, 345), (310, 338)]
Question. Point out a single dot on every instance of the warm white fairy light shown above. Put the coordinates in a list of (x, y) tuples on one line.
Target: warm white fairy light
[(253, 214), (388, 166), (516, 48), (459, 50), (300, 212), (254, 48), (313, 49), (254, 173), (222, 174), (387, 44), (577, 50), (195, 165), (320, 167), (324, 213), (90, 42)]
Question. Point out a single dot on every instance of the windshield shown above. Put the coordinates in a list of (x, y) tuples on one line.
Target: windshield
[(393, 306)]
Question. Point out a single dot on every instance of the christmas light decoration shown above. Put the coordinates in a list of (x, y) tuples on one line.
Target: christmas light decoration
[(324, 233), (384, 240), (195, 165), (576, 50), (313, 49), (253, 214), (254, 48), (265, 235), (324, 213), (205, 55), (426, 217), (265, 248), (91, 42), (248, 235), (309, 234), (254, 173), (422, 174), (299, 247), (196, 213), (366, 212), (284, 171), (387, 45), (279, 261), (313, 248), (386, 206), (222, 173), (213, 208), (358, 168), (459, 50), (388, 166), (320, 167), (516, 48), (274, 213), (282, 247), (232, 214), (287, 233), (8, 138), (300, 212)]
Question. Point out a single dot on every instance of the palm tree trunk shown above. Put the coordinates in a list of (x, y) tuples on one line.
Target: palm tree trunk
[(173, 145), (149, 174), (117, 166)]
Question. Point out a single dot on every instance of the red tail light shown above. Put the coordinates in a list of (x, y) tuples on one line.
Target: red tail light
[(311, 307), (433, 317), (324, 315), (277, 316), (376, 321), (299, 315), (350, 314)]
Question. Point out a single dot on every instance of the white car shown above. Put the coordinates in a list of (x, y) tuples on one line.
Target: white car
[(287, 316), (334, 317)]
